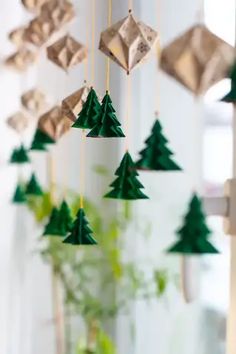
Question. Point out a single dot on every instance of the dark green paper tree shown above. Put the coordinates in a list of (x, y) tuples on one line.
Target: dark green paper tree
[(156, 156), (19, 156), (194, 233), (19, 196), (33, 187), (89, 114), (40, 140), (65, 217), (231, 95), (107, 125), (81, 234), (126, 186), (53, 227)]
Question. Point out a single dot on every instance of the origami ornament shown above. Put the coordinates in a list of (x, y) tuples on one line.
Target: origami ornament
[(156, 156), (231, 95), (33, 188), (81, 234), (107, 125), (17, 36), (53, 227), (40, 140), (126, 186), (21, 60), (18, 122), (19, 156), (72, 105), (89, 115), (34, 101), (54, 123), (33, 5), (19, 196), (39, 31), (65, 217), (197, 59), (57, 12), (128, 42), (66, 52), (194, 233)]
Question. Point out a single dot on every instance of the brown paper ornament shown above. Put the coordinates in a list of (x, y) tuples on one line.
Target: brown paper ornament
[(54, 123), (21, 60), (34, 101), (128, 42), (18, 122), (17, 36), (72, 105), (39, 31), (197, 59), (33, 5), (57, 12), (66, 52)]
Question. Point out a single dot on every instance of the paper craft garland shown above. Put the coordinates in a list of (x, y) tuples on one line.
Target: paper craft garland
[(231, 95), (156, 156), (33, 187), (126, 186), (19, 196), (194, 234), (19, 156), (71, 106)]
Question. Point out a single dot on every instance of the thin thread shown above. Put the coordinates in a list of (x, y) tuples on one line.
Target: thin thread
[(109, 19), (82, 168), (86, 64), (158, 53), (128, 113), (200, 17), (51, 176), (130, 5), (93, 42)]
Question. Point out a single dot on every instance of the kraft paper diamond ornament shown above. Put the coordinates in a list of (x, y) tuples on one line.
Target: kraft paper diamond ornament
[(197, 59), (33, 5), (17, 36), (54, 123), (33, 187), (34, 101), (39, 31), (128, 42), (18, 122), (57, 12), (194, 234), (19, 196), (73, 104), (66, 52), (230, 97), (21, 60)]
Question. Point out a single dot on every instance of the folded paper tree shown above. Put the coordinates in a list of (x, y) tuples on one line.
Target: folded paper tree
[(53, 227), (33, 101), (40, 141), (197, 59), (128, 42), (230, 97), (19, 196), (33, 187), (21, 60), (19, 156), (17, 36), (39, 31), (126, 186), (57, 12), (65, 218), (18, 122), (71, 106)]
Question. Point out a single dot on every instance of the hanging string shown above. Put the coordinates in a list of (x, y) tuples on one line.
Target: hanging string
[(109, 19), (200, 17), (93, 42), (51, 176), (128, 112), (130, 6), (158, 54), (82, 168)]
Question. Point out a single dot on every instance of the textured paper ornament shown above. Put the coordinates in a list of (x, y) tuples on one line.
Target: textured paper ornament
[(57, 12), (65, 217), (126, 186), (54, 123), (17, 36), (21, 60), (19, 156), (39, 31), (194, 233), (34, 101), (19, 196), (53, 227), (128, 42), (197, 59), (66, 52), (18, 122), (72, 105), (107, 125), (230, 97), (33, 187), (89, 115), (156, 156), (40, 141), (33, 5), (81, 233)]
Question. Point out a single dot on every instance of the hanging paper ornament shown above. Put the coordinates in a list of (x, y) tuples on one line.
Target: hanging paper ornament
[(57, 12), (21, 60), (156, 156), (17, 36), (89, 115), (66, 52), (231, 95), (128, 42), (40, 141), (19, 156), (19, 196), (126, 186), (18, 122), (107, 125), (34, 101), (39, 31), (194, 233), (33, 5), (54, 123), (33, 187), (197, 59), (81, 233), (65, 217), (72, 105), (53, 227)]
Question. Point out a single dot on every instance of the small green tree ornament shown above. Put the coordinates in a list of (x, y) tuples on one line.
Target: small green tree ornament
[(194, 233), (156, 156), (53, 227), (65, 217), (33, 188), (126, 186), (19, 196), (19, 156), (231, 95), (89, 114), (107, 125), (40, 140), (81, 234)]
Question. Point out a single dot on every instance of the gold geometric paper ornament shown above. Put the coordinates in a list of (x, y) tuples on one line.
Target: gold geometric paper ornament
[(72, 105), (39, 31), (54, 123), (18, 122), (197, 59), (66, 52), (128, 42), (21, 60), (17, 36), (57, 12), (33, 101), (33, 5)]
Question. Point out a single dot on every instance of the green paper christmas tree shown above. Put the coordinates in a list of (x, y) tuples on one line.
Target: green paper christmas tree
[(194, 233), (231, 95), (89, 114), (19, 196), (107, 125), (126, 185), (19, 156), (53, 227), (33, 188), (40, 140), (81, 234), (65, 217), (156, 156)]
